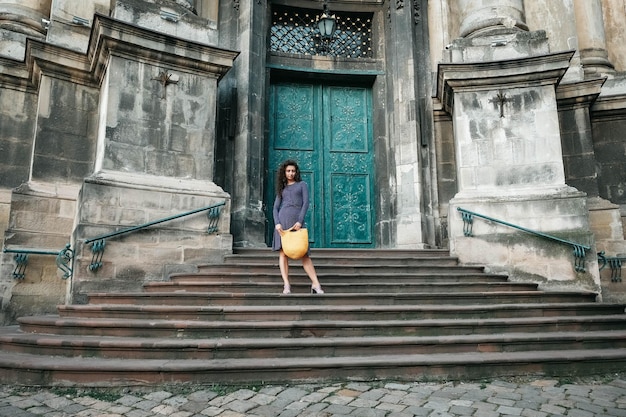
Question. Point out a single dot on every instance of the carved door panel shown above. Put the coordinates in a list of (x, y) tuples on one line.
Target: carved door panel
[(327, 130)]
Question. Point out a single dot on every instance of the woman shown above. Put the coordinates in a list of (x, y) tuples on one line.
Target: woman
[(290, 207)]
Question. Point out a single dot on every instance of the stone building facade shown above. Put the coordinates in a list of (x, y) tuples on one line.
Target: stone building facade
[(117, 113)]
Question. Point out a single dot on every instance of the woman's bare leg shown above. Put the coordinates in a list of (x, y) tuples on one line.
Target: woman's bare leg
[(309, 268), (283, 263)]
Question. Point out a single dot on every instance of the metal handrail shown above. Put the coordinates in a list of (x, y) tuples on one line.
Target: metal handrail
[(578, 249), (64, 258), (615, 263), (99, 243)]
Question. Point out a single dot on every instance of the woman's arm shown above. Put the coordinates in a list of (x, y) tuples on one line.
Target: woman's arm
[(305, 202), (275, 211)]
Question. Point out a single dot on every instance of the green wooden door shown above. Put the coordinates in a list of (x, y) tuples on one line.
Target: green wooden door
[(327, 130)]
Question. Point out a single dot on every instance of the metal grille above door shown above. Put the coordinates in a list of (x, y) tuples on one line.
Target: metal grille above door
[(294, 31)]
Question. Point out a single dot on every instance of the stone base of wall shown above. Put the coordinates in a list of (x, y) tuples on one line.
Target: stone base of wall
[(523, 255), (607, 226), (110, 203), (40, 217)]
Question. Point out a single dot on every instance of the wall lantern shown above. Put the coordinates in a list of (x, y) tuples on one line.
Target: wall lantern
[(326, 24)]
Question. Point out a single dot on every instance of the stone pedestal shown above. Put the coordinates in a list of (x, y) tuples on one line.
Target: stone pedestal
[(41, 219), (510, 167), (134, 119), (155, 158), (111, 202)]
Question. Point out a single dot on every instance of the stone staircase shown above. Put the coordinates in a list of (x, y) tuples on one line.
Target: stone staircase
[(406, 315)]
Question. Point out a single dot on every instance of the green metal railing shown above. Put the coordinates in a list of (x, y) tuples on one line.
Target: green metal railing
[(614, 262), (579, 250), (99, 243), (64, 259)]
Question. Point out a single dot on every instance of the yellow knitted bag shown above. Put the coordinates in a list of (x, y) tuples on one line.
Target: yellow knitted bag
[(295, 243)]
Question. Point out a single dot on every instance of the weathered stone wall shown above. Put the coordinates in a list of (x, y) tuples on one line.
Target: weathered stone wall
[(113, 202), (609, 122), (18, 113), (247, 170), (70, 22), (447, 186), (109, 110), (610, 148), (42, 219), (183, 23), (63, 128), (155, 159), (155, 129), (578, 156), (522, 255), (67, 125), (403, 129), (55, 151)]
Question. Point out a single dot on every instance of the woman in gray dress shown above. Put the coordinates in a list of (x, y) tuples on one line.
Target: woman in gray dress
[(290, 207)]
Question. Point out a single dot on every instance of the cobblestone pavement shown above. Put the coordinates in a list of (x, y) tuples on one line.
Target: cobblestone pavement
[(591, 397)]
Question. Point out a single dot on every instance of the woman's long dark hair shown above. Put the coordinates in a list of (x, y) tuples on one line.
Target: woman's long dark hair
[(281, 178)]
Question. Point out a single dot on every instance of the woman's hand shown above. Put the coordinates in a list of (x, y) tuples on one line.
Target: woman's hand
[(279, 227), (297, 226)]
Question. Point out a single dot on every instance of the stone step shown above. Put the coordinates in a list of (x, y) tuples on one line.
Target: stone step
[(372, 260), (349, 254), (333, 277), (227, 298), (332, 287), (380, 268), (386, 314), (12, 340), (101, 372), (335, 312), (313, 328)]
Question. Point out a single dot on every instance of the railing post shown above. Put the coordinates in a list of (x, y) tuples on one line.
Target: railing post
[(468, 221), (64, 258), (616, 269), (579, 258), (21, 262), (213, 214), (97, 250)]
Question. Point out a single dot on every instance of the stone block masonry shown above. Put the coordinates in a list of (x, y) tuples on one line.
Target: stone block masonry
[(109, 205)]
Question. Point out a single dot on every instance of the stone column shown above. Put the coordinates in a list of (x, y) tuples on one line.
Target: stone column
[(21, 19), (486, 17), (591, 37)]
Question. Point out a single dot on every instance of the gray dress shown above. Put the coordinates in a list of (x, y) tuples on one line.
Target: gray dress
[(290, 209)]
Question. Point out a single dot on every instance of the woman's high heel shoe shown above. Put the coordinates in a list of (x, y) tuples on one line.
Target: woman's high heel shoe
[(317, 290), (287, 289)]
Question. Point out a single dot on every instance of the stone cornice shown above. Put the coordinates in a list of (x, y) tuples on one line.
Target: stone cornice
[(112, 37), (56, 62), (15, 75), (578, 94), (610, 107), (611, 104), (481, 76)]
